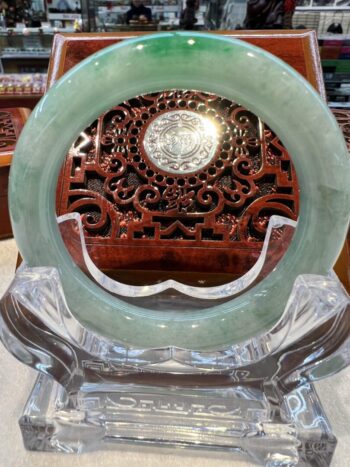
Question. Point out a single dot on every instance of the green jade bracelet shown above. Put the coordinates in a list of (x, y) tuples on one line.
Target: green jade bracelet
[(183, 60)]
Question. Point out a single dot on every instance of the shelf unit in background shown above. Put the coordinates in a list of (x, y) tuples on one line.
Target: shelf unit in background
[(335, 58), (21, 90), (25, 50), (110, 14)]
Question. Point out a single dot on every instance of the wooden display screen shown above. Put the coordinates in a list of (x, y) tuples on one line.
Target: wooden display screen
[(138, 216)]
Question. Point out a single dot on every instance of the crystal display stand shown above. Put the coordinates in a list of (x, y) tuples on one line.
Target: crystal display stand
[(255, 397)]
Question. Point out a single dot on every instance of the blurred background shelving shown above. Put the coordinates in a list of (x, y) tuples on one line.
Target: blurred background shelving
[(27, 28)]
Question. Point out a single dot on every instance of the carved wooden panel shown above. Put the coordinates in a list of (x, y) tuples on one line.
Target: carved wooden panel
[(11, 124), (342, 267), (125, 200), (7, 132), (12, 121), (138, 214), (5, 224), (343, 119)]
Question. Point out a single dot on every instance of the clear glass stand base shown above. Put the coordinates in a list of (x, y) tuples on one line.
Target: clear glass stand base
[(237, 419), (254, 397)]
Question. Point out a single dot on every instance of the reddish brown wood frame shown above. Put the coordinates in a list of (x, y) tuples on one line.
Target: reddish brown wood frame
[(228, 246), (251, 175)]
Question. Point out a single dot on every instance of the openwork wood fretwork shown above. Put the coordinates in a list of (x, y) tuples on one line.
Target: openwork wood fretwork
[(11, 124), (126, 200), (343, 119), (7, 131)]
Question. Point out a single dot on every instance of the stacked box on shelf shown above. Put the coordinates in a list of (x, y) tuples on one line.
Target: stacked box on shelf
[(335, 56), (330, 49)]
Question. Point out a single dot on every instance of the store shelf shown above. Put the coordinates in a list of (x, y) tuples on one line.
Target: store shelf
[(320, 18), (64, 16), (110, 16), (332, 37), (339, 105), (20, 55), (43, 30), (124, 9), (322, 8), (21, 90), (17, 84), (337, 81)]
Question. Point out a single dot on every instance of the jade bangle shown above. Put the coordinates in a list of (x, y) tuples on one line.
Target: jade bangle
[(226, 67)]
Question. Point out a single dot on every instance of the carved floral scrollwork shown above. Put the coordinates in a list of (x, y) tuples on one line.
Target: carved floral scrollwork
[(7, 131), (124, 197), (343, 119)]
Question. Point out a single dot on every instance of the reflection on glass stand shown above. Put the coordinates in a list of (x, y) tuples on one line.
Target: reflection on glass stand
[(255, 398)]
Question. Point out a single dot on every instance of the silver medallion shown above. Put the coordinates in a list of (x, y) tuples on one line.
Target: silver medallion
[(181, 141)]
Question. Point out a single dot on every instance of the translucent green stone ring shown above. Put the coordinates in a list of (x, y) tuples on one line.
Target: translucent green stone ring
[(226, 67)]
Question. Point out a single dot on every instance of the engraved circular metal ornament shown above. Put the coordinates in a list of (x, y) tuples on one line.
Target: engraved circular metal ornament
[(180, 141), (184, 60)]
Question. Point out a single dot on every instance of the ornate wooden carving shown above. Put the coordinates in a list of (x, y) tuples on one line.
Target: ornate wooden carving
[(7, 131), (342, 268), (136, 216), (12, 121), (11, 124), (225, 242), (127, 201), (343, 119)]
